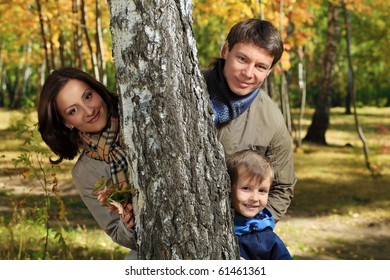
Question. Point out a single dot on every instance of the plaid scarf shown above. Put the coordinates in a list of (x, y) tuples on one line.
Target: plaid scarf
[(108, 147), (226, 104)]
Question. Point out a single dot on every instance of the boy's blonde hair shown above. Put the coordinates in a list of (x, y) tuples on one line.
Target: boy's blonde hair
[(256, 165)]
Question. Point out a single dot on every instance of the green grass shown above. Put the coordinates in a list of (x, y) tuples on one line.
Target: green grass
[(25, 241), (340, 211)]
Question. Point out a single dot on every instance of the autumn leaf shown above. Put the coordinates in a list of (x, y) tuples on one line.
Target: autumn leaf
[(118, 206), (25, 174)]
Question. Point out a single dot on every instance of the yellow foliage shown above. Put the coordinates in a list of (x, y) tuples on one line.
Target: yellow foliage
[(285, 61)]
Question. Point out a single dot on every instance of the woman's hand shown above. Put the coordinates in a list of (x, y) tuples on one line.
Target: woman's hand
[(128, 215)]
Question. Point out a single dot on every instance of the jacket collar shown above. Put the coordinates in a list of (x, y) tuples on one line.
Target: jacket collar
[(244, 225)]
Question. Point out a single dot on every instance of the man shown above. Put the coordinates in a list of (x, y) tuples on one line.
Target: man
[(245, 116)]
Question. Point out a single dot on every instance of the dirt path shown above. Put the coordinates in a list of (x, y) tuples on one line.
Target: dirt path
[(353, 237)]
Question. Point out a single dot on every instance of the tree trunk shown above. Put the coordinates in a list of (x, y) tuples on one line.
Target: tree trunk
[(351, 89), (43, 34), (177, 167), (27, 72), (284, 89), (350, 78), (77, 37), (2, 75), (320, 120), (87, 38), (51, 44), (61, 43), (302, 86), (270, 88), (101, 59), (285, 101)]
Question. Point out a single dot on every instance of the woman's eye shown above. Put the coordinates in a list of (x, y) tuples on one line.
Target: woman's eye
[(88, 96), (72, 111)]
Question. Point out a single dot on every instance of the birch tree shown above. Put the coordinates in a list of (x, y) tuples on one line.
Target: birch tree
[(177, 166)]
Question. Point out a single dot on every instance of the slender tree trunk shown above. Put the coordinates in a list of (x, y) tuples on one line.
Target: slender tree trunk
[(100, 57), (302, 86), (61, 38), (41, 75), (261, 9), (2, 84), (61, 42), (89, 43), (16, 102), (43, 34), (12, 85), (350, 78), (77, 37), (320, 120), (51, 45), (270, 88), (22, 75), (285, 101), (348, 97), (27, 70), (351, 88), (177, 167), (284, 88)]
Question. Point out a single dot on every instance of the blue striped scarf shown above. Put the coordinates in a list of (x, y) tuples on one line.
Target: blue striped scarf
[(226, 104)]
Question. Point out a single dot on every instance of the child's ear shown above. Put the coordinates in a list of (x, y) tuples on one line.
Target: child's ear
[(225, 50)]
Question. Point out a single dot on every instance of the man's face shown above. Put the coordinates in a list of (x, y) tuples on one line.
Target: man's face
[(246, 67)]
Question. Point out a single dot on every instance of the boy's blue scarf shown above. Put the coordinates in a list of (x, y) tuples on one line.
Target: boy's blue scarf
[(244, 225), (226, 104)]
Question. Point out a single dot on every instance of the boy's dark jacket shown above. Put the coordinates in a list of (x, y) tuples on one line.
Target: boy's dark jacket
[(256, 238)]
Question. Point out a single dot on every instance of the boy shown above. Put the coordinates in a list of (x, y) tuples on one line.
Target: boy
[(251, 175)]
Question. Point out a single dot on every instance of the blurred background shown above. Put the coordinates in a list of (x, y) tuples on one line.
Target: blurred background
[(332, 86)]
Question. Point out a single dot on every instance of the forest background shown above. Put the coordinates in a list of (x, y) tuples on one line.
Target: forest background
[(38, 36)]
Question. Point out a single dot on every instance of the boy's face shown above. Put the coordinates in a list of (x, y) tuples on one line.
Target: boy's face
[(246, 67), (249, 195)]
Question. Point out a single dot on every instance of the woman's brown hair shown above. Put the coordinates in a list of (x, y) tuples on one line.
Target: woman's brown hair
[(60, 139)]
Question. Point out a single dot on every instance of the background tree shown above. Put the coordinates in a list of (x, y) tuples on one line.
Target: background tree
[(177, 168), (351, 88), (320, 120)]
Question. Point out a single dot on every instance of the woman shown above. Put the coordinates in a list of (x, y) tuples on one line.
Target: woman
[(77, 114)]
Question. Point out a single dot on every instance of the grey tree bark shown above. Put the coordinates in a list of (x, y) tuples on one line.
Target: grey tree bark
[(177, 166)]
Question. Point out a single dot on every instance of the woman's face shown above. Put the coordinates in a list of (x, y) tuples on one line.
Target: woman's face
[(81, 107)]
